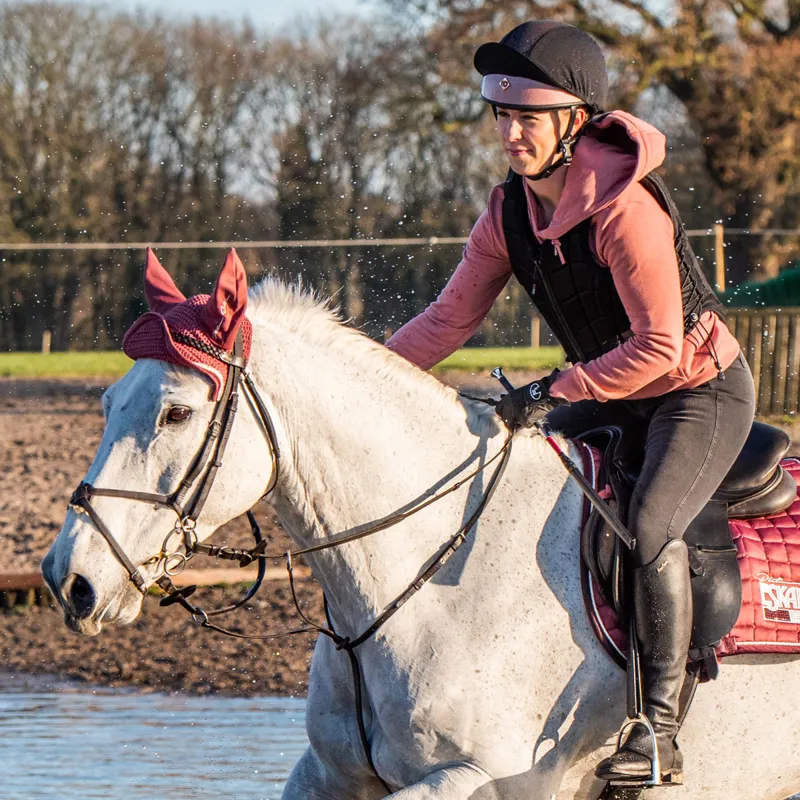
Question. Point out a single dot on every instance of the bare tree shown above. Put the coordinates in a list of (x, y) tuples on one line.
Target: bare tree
[(114, 128), (731, 63)]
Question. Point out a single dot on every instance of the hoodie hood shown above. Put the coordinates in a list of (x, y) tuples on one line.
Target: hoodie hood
[(616, 151)]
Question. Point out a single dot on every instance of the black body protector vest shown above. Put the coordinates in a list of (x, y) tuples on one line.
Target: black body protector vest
[(578, 299)]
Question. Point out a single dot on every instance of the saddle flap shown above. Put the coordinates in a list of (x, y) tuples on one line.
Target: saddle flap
[(778, 494), (756, 465)]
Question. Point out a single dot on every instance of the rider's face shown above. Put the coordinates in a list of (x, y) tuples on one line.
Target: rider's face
[(530, 138)]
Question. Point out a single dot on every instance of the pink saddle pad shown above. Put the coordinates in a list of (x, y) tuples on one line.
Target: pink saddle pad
[(769, 562)]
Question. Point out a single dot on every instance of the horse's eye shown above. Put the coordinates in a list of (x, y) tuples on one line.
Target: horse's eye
[(178, 414)]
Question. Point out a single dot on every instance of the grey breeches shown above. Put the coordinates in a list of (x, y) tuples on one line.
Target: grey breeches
[(693, 438)]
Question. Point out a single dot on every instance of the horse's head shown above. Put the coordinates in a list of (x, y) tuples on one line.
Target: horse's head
[(164, 426)]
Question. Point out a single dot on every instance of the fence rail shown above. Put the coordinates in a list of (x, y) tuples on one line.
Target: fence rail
[(770, 341), (717, 231)]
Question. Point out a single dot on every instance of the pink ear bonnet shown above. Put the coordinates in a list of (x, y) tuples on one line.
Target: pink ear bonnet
[(175, 328)]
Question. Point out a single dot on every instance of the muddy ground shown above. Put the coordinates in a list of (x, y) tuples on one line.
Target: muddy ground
[(49, 431)]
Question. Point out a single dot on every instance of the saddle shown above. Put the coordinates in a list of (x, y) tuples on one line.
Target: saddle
[(721, 539)]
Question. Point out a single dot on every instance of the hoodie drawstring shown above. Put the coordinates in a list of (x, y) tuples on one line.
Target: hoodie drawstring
[(557, 248), (710, 346)]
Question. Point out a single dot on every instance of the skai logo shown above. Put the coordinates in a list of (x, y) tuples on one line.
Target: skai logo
[(781, 600)]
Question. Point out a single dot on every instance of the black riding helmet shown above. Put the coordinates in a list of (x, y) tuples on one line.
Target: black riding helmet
[(542, 65)]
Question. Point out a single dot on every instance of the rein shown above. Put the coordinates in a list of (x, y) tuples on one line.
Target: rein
[(203, 470), (440, 558)]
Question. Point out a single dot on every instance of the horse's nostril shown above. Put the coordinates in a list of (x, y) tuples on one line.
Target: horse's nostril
[(81, 597)]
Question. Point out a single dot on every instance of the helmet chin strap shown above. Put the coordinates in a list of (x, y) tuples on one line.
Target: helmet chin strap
[(565, 146)]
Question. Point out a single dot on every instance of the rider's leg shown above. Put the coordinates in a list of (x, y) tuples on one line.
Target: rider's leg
[(693, 439), (662, 606)]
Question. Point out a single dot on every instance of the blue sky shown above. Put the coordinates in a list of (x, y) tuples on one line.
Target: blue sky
[(264, 13)]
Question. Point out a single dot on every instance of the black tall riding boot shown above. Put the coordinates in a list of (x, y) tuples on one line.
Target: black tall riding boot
[(662, 603)]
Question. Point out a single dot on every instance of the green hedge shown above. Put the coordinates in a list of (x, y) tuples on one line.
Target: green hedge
[(782, 291)]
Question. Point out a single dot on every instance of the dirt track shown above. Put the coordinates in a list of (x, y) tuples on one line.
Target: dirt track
[(49, 432)]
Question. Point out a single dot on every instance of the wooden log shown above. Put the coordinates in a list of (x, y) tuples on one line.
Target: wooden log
[(21, 580), (232, 575)]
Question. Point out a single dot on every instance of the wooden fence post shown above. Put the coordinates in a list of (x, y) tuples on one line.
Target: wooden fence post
[(47, 337), (770, 341), (719, 253), (536, 331)]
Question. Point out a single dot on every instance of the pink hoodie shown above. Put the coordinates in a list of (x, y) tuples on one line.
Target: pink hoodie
[(631, 235)]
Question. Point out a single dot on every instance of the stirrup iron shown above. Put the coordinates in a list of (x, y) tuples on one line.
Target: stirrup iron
[(655, 761)]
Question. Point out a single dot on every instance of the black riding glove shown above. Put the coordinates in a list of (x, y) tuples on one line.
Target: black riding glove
[(528, 404)]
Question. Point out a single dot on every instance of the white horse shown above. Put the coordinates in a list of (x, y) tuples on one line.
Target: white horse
[(489, 682)]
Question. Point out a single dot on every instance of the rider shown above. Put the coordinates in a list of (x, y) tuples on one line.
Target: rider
[(592, 234)]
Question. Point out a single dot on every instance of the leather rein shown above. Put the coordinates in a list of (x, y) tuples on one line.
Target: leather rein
[(203, 470)]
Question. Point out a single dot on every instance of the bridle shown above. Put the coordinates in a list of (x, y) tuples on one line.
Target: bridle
[(200, 477), (202, 470)]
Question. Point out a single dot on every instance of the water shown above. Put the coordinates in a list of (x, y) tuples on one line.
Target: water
[(68, 742)]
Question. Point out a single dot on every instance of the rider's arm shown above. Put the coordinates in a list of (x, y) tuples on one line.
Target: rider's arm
[(634, 238), (464, 302)]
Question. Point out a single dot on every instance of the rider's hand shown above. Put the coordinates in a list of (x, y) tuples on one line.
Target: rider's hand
[(528, 404)]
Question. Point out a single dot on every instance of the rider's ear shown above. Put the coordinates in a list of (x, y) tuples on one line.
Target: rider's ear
[(160, 289), (224, 312)]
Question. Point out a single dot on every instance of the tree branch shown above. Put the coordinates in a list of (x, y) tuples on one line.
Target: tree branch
[(755, 10)]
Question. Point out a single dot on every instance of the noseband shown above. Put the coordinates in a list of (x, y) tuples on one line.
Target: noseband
[(201, 472)]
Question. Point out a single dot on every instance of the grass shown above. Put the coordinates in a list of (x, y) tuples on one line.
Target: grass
[(485, 359), (64, 365), (113, 364)]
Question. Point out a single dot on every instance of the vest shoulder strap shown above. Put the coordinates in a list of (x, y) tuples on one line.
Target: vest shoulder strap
[(656, 186), (523, 248)]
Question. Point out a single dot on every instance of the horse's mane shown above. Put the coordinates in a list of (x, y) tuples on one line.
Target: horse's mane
[(292, 307)]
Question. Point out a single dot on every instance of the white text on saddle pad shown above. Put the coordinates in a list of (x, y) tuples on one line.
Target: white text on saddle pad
[(781, 600)]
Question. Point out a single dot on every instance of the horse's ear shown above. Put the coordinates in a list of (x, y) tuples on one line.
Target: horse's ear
[(159, 288), (224, 312)]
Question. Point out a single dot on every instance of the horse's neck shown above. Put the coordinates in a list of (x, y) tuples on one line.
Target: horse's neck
[(360, 447)]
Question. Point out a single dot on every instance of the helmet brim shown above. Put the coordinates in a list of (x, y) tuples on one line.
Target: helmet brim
[(494, 58)]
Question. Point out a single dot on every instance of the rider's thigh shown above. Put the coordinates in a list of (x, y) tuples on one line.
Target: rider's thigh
[(693, 440)]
